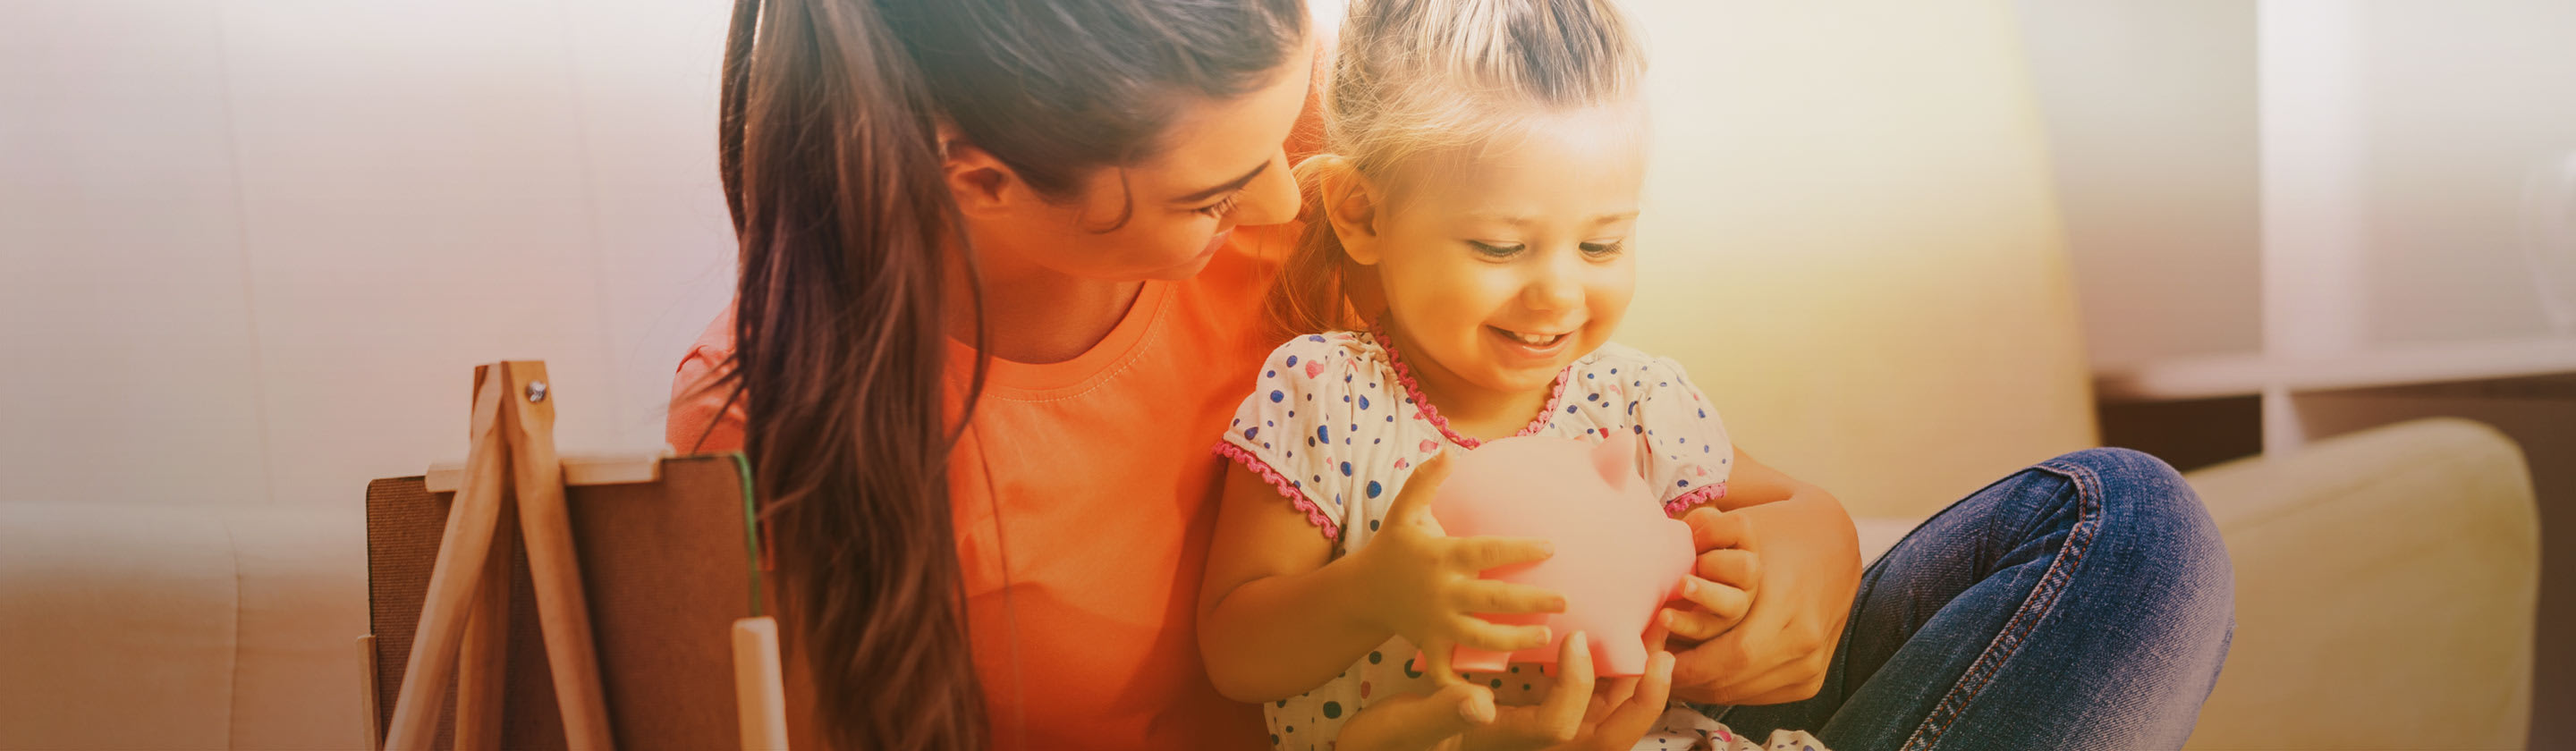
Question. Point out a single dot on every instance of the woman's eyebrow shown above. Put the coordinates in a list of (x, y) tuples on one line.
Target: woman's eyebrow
[(1227, 186)]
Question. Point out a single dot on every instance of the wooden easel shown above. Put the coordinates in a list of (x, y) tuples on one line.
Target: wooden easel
[(464, 621)]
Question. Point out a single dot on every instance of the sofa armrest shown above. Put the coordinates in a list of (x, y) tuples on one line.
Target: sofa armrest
[(2386, 586)]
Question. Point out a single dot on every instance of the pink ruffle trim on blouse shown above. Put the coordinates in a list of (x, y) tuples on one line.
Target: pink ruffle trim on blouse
[(1404, 375), (1697, 496), (1286, 487)]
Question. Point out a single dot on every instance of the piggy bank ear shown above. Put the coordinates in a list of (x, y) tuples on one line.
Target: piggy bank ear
[(1616, 460)]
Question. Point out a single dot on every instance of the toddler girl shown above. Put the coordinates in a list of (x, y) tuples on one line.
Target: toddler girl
[(1476, 200)]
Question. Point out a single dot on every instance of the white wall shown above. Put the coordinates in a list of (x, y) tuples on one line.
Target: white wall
[(250, 251), (2150, 111)]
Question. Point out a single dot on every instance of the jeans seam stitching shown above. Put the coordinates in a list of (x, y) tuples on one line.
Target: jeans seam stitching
[(2042, 600)]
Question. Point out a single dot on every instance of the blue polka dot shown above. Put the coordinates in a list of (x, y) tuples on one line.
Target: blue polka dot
[(1315, 338), (1276, 395), (1270, 374), (1323, 433), (1373, 488), (1364, 405), (1569, 409), (1292, 361), (1251, 433), (1683, 483), (1637, 428), (1592, 397), (1346, 469), (1703, 413)]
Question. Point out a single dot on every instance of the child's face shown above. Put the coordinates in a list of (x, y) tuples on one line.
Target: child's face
[(1505, 265)]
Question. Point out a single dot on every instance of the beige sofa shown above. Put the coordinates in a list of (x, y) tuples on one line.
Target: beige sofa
[(1850, 241)]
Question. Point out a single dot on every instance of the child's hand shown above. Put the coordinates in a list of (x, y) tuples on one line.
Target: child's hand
[(1726, 576), (1414, 721), (1423, 585), (1577, 713)]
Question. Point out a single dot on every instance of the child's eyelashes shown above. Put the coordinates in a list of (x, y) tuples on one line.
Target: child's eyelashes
[(1221, 208), (1498, 251)]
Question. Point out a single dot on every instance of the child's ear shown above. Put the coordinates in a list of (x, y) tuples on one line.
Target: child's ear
[(1350, 203)]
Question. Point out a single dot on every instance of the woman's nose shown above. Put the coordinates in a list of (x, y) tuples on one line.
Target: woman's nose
[(1270, 198)]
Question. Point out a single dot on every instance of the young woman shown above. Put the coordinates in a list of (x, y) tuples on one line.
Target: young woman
[(992, 252)]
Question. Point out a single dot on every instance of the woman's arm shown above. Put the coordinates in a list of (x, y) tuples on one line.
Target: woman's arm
[(1805, 558)]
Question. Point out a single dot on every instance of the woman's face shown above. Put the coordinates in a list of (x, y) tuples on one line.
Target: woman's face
[(1501, 268), (1221, 165)]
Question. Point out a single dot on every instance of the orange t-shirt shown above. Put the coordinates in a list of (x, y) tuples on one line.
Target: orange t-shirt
[(1085, 491)]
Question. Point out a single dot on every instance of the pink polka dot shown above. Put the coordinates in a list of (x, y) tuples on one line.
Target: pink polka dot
[(1364, 689), (1399, 464), (1429, 445), (1314, 368)]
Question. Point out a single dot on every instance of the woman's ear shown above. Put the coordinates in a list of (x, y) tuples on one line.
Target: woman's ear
[(980, 183), (1350, 203)]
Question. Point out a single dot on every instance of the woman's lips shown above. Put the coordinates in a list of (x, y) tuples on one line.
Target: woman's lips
[(1213, 244)]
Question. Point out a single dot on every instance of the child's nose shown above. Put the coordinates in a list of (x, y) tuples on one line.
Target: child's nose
[(1553, 287)]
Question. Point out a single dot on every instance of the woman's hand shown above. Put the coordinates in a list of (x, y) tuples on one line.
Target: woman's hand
[(1795, 546), (1424, 585), (1579, 713)]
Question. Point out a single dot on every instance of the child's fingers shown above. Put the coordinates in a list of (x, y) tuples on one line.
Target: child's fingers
[(1720, 607), (1414, 500), (1712, 529), (1482, 553), (1489, 596), (1740, 569), (1727, 602), (1478, 633), (1415, 721)]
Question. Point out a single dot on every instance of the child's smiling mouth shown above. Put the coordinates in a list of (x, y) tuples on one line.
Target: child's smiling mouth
[(1532, 345)]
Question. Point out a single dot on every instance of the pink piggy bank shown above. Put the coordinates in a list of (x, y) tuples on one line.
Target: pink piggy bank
[(1618, 557)]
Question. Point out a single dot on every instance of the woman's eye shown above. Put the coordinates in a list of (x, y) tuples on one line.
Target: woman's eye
[(1604, 250), (1493, 250), (1221, 208)]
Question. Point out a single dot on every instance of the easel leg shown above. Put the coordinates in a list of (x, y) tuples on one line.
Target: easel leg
[(462, 551), (484, 657), (562, 611)]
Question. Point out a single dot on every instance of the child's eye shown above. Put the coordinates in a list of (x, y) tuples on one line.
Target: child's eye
[(1495, 251), (1221, 208), (1604, 250)]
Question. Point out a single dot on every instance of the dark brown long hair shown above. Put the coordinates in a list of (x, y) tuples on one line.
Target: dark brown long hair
[(828, 146)]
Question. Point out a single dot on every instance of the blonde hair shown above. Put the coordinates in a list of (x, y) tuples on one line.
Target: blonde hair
[(1416, 78)]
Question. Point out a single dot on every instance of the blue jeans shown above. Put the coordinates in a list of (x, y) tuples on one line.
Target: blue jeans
[(2084, 602)]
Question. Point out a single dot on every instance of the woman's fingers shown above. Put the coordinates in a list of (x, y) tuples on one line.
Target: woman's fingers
[(1631, 718), (1562, 710), (1482, 553), (1490, 596)]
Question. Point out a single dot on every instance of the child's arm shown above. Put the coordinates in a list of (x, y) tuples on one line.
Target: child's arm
[(1278, 615), (1790, 552)]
